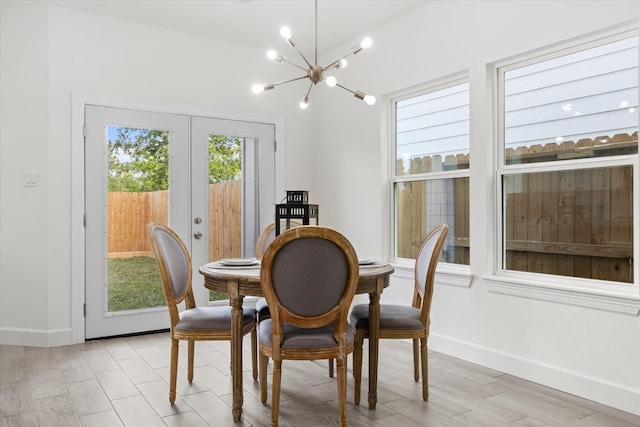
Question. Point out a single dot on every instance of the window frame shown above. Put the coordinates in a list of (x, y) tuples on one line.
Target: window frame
[(601, 294), (451, 274)]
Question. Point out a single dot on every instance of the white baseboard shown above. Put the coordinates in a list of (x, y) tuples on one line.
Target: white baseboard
[(36, 337), (599, 390)]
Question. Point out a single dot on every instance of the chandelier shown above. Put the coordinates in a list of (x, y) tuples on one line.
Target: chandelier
[(315, 73)]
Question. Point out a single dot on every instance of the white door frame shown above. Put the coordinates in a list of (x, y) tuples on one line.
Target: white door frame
[(78, 103), (99, 320)]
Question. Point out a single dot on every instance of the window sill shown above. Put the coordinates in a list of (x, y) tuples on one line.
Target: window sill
[(446, 274), (624, 303)]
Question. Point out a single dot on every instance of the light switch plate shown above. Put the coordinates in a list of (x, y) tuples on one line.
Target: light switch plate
[(31, 178)]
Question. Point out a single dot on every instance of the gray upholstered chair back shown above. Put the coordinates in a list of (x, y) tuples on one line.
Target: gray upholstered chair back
[(309, 275), (309, 272), (173, 262)]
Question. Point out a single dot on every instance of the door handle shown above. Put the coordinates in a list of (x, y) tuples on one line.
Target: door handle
[(197, 235)]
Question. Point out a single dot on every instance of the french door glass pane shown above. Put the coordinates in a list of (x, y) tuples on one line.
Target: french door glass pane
[(225, 200), (138, 187)]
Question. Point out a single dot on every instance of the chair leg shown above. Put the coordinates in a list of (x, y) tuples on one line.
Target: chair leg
[(416, 361), (275, 393), (425, 369), (342, 390), (190, 353), (330, 368), (254, 353), (357, 365), (174, 370), (263, 378)]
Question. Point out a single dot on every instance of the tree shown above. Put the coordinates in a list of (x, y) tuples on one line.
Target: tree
[(225, 158), (139, 160)]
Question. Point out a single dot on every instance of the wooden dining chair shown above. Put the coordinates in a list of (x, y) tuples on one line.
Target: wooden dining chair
[(309, 276), (267, 236), (194, 323), (405, 322)]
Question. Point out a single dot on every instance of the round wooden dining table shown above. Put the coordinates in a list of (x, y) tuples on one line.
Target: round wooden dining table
[(239, 282)]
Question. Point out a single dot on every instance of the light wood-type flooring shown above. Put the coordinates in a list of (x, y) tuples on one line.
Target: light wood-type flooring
[(123, 382)]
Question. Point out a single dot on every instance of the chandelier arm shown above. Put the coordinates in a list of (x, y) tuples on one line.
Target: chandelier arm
[(304, 104), (294, 64), (354, 50), (303, 57), (309, 91), (356, 93), (335, 63), (369, 99), (289, 81), (347, 89)]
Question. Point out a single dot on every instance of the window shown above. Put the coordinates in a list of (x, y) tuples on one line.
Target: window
[(431, 169), (568, 158)]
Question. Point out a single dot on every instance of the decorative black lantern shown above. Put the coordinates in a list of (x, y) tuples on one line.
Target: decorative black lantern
[(297, 207)]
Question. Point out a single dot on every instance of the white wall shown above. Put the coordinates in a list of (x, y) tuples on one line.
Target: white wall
[(48, 53), (592, 353), (338, 153)]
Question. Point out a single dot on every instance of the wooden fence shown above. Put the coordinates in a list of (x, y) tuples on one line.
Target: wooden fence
[(128, 216), (129, 213), (572, 223)]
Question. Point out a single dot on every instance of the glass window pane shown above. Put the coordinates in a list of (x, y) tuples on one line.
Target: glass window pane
[(432, 131), (138, 193), (574, 106), (225, 200), (576, 223), (422, 205)]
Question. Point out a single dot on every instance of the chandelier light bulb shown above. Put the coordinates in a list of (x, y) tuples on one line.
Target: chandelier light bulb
[(272, 54), (257, 88), (331, 81), (342, 63), (304, 103), (285, 32), (366, 43), (370, 99)]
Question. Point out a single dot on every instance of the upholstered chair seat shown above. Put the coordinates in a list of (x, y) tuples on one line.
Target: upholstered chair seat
[(391, 317), (298, 338), (211, 318), (405, 321)]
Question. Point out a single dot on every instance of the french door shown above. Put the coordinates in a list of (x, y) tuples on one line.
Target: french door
[(145, 167)]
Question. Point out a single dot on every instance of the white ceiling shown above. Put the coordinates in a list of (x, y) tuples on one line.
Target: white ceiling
[(255, 22)]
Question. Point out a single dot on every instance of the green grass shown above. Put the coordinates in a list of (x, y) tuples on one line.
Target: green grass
[(134, 283)]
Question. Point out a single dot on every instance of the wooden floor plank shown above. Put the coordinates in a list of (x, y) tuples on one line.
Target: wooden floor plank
[(124, 382)]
